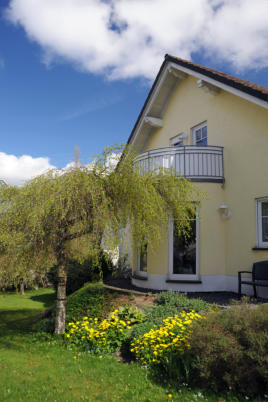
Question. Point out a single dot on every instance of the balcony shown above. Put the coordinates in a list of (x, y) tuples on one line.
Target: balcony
[(195, 163)]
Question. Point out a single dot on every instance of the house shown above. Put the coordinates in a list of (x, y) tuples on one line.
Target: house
[(212, 128)]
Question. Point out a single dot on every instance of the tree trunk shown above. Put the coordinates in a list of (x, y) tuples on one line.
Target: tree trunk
[(61, 300), (21, 287)]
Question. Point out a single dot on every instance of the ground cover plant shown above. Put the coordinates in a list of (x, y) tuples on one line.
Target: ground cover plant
[(97, 336), (167, 304), (181, 302), (162, 348), (38, 367), (92, 300)]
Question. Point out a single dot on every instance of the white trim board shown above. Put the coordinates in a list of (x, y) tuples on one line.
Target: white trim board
[(149, 103), (218, 84)]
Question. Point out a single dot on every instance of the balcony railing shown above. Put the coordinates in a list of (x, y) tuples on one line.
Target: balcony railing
[(193, 162)]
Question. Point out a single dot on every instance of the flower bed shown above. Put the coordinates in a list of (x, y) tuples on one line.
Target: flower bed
[(164, 346), (98, 336)]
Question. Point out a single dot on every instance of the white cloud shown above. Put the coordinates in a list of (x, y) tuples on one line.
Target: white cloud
[(128, 38), (14, 170)]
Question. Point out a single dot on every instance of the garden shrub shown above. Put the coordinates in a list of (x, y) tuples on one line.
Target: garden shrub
[(79, 273), (92, 300), (162, 349), (154, 316), (230, 350), (181, 302), (168, 304), (98, 336)]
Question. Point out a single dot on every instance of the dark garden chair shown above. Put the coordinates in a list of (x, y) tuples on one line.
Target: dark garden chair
[(259, 277)]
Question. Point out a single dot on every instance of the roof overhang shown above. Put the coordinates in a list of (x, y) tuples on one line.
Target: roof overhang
[(171, 73)]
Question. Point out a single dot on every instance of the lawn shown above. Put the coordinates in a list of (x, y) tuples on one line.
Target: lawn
[(36, 367)]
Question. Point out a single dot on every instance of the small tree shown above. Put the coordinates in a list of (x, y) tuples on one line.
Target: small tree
[(65, 214)]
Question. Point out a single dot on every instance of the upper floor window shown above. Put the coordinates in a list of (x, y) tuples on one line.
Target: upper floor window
[(200, 135), (262, 222)]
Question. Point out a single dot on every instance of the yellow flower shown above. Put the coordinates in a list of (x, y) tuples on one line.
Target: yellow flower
[(74, 357), (170, 395)]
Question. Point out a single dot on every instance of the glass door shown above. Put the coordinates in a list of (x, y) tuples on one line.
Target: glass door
[(183, 253), (142, 261)]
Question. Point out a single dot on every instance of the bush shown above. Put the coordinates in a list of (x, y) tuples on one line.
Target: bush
[(230, 350), (162, 348), (91, 300), (183, 303), (80, 273), (98, 336), (168, 304)]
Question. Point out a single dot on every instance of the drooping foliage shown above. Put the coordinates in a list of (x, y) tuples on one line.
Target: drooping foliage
[(66, 214)]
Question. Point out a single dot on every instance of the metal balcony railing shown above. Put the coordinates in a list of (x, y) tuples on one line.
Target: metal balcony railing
[(194, 162)]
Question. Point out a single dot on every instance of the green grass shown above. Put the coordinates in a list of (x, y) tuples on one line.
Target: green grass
[(36, 367)]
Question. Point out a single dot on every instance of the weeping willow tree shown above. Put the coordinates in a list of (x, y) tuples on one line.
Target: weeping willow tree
[(65, 214)]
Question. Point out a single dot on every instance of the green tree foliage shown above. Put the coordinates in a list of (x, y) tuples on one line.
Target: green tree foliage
[(65, 214)]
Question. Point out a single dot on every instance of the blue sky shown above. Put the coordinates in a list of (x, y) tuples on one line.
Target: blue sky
[(45, 111), (59, 90)]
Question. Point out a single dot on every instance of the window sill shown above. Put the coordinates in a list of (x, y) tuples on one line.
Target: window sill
[(183, 281), (139, 277), (259, 248)]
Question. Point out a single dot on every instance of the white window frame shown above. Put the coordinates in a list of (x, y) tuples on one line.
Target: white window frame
[(198, 127), (139, 272), (260, 242), (184, 277)]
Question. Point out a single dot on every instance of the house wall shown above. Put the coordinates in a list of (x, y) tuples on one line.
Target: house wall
[(241, 127)]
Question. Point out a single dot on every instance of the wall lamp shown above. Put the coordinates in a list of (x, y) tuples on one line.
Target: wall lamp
[(224, 210)]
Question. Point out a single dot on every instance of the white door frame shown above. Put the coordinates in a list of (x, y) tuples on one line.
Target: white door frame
[(185, 277)]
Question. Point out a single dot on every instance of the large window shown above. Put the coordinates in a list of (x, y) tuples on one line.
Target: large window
[(200, 135), (262, 222)]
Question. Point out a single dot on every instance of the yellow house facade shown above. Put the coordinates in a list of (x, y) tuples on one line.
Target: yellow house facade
[(212, 128)]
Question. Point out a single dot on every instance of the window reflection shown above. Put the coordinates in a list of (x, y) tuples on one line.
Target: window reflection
[(143, 259), (184, 252)]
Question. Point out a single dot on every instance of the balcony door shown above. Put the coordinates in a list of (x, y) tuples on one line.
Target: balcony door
[(184, 253)]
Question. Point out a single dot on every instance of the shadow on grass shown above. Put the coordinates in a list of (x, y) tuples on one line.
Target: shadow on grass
[(15, 325), (18, 321), (48, 299)]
